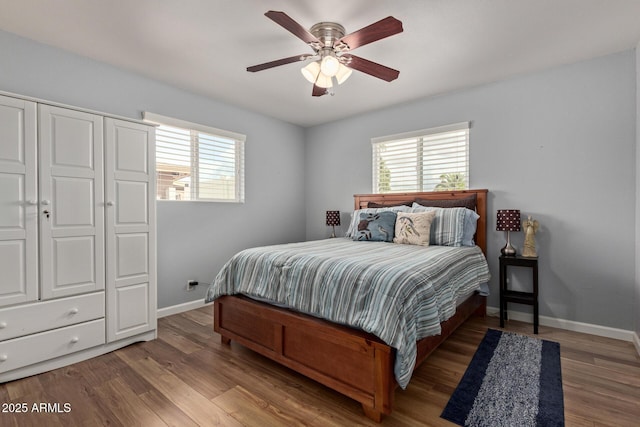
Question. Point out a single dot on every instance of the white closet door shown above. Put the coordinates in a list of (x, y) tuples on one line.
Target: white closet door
[(131, 242), (71, 202), (18, 202)]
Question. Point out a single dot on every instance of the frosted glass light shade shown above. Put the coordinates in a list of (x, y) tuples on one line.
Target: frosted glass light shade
[(329, 66), (343, 74), (311, 71), (323, 81)]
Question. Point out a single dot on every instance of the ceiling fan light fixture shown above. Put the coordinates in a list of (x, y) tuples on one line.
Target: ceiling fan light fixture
[(311, 71), (331, 51), (343, 74), (330, 65)]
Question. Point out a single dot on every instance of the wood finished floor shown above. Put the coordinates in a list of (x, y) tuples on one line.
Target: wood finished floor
[(187, 378)]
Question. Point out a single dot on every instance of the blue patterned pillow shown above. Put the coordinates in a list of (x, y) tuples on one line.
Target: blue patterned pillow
[(378, 226), (352, 231)]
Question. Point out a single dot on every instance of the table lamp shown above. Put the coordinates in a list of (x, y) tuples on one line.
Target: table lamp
[(333, 219), (508, 220)]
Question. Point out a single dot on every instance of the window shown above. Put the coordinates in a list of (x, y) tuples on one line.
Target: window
[(427, 160), (196, 162)]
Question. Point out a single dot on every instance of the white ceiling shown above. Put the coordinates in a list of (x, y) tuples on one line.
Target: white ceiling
[(204, 46)]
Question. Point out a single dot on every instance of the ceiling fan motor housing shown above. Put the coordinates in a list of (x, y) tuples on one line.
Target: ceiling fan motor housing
[(328, 33)]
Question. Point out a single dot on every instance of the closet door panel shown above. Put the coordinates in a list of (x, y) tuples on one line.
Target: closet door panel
[(74, 265), (132, 305), (131, 256), (13, 262), (71, 202), (18, 202), (77, 214)]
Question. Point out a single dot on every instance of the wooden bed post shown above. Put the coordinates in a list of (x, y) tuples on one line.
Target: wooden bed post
[(385, 384)]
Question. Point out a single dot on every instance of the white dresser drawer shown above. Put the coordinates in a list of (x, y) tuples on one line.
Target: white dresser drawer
[(41, 316), (35, 348)]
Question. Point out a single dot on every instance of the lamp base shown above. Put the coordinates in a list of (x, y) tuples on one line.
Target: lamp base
[(508, 249)]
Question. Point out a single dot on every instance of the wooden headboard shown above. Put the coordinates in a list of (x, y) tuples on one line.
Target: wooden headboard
[(361, 201)]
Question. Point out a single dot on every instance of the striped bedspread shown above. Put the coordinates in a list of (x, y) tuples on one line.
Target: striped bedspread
[(399, 293)]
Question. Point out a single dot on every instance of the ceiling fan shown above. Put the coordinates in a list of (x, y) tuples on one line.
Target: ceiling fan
[(331, 49)]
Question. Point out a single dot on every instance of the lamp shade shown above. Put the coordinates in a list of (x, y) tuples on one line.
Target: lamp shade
[(343, 74), (508, 220), (323, 81), (333, 218), (311, 71)]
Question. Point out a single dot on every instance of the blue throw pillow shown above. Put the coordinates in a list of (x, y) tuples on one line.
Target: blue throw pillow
[(352, 231), (379, 226), (451, 226)]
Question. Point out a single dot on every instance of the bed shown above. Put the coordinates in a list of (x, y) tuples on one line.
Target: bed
[(354, 361)]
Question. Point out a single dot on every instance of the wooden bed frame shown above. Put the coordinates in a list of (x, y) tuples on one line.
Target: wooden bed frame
[(350, 361)]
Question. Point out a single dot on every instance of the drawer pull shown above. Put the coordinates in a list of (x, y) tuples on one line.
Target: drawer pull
[(3, 357), (74, 340), (74, 310), (3, 325)]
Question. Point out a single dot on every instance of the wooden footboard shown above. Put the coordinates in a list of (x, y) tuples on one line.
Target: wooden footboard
[(350, 361)]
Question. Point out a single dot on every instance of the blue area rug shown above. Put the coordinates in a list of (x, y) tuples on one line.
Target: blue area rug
[(513, 380)]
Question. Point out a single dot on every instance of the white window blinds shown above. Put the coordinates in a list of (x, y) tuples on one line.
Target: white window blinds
[(196, 162), (427, 160)]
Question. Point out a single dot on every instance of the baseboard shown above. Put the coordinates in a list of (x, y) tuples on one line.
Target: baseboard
[(636, 342), (570, 325), (180, 308)]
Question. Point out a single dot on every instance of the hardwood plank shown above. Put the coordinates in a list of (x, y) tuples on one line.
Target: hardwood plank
[(170, 413), (251, 410), (204, 316), (17, 389), (176, 339), (129, 408), (194, 331), (196, 406)]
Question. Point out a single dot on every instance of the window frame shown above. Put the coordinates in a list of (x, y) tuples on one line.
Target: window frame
[(419, 158), (194, 129)]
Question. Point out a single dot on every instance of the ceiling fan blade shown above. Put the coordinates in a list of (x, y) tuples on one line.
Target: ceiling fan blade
[(318, 91), (277, 63), (292, 26), (372, 68), (378, 30)]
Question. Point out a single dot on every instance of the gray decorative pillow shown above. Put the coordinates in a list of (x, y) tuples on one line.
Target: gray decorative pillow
[(379, 227), (414, 228)]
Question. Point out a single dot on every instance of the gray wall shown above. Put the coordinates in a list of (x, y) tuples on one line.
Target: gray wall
[(558, 145), (194, 238)]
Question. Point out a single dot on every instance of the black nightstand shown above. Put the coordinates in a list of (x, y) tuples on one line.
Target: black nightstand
[(529, 298)]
